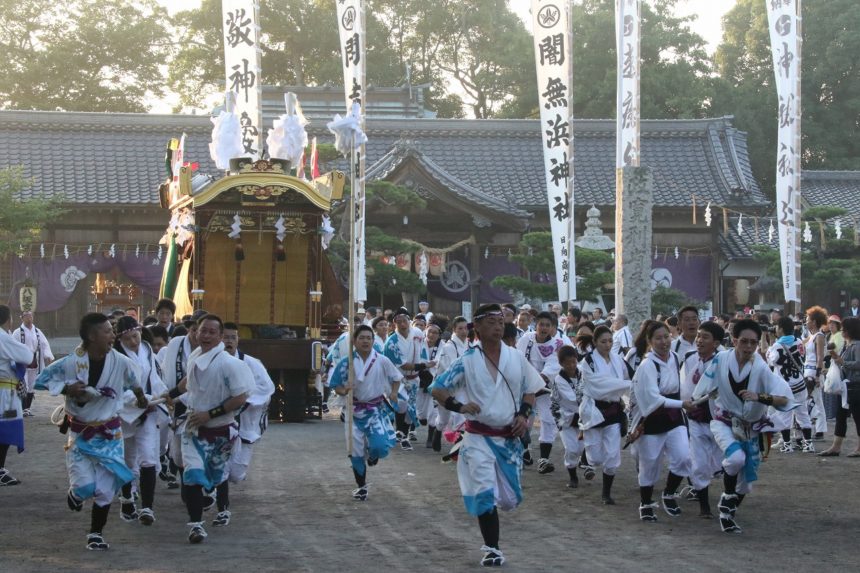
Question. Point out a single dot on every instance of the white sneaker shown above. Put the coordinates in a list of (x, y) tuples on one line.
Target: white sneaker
[(222, 519), (197, 533)]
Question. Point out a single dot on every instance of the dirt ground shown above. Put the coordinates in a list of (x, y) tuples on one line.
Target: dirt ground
[(295, 513)]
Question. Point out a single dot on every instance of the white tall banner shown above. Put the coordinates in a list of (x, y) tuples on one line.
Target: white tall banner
[(784, 22), (627, 21), (242, 62), (552, 37), (351, 26)]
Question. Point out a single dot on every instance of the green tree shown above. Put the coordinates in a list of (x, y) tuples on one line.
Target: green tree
[(299, 43), (667, 301), (830, 85), (535, 256), (22, 220), (676, 70), (81, 55)]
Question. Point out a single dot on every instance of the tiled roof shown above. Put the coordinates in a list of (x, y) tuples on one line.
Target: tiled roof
[(119, 158), (735, 247), (832, 189)]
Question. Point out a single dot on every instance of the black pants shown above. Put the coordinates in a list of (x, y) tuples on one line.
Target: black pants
[(842, 414)]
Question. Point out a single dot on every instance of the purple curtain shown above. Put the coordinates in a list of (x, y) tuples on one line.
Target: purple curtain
[(454, 284), (56, 279)]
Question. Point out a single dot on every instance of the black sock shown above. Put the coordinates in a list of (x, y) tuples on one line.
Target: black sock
[(223, 496), (174, 469), (128, 506), (572, 473), (786, 436), (147, 486), (29, 400), (730, 483), (583, 459), (194, 502), (741, 497), (489, 524), (646, 493), (807, 433), (704, 502), (360, 480), (400, 423), (545, 450), (607, 484), (98, 518), (422, 422), (4, 449), (181, 484), (672, 483)]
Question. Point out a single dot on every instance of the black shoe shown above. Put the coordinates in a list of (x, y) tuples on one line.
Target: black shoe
[(545, 466), (95, 542), (405, 446), (646, 512), (430, 433), (6, 479), (172, 484), (492, 557), (605, 495), (222, 519), (197, 533), (360, 494), (728, 505), (209, 500), (372, 461), (573, 483), (74, 502), (588, 472), (670, 505), (728, 525), (819, 436), (527, 458)]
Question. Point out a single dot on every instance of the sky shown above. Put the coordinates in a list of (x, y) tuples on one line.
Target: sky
[(708, 23)]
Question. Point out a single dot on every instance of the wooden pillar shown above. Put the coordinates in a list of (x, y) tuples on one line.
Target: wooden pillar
[(475, 274)]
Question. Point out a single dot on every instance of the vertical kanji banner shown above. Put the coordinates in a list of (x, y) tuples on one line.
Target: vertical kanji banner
[(784, 23), (627, 20), (351, 27), (552, 37), (242, 62)]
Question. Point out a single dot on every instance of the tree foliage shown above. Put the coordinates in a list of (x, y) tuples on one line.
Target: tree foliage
[(830, 90), (535, 256), (667, 301), (80, 55), (22, 221)]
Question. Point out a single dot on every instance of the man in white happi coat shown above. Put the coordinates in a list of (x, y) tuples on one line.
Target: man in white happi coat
[(688, 327), (217, 386), (705, 454), (34, 339), (622, 338), (451, 351), (253, 417), (499, 387), (405, 348), (94, 380), (540, 349), (376, 380), (140, 427), (174, 363), (13, 356), (741, 388)]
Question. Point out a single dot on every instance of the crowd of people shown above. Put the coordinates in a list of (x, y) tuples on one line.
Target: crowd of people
[(708, 399), (171, 400)]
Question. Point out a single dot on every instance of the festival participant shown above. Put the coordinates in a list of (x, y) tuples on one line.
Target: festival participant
[(849, 362), (376, 379), (640, 347), (424, 403), (165, 309), (160, 338), (566, 404), (740, 388), (688, 328), (605, 380), (622, 338), (705, 454), (785, 359), (451, 351), (424, 309), (816, 349), (524, 320), (584, 339), (12, 352), (510, 313), (253, 421), (34, 339), (217, 386), (380, 333), (405, 348), (658, 419), (94, 379), (499, 386), (540, 349), (140, 427), (174, 362), (337, 350)]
